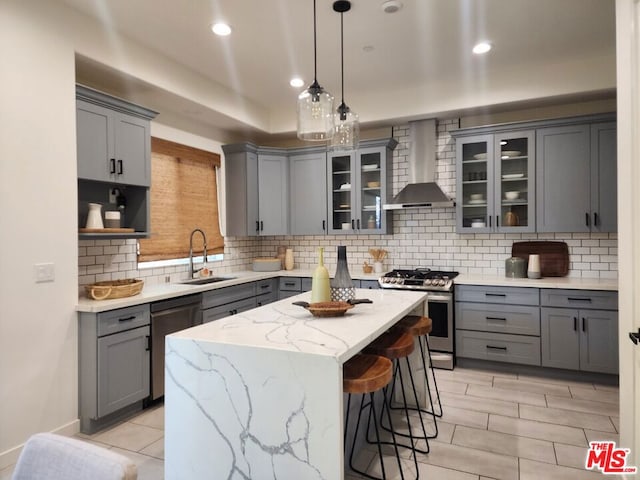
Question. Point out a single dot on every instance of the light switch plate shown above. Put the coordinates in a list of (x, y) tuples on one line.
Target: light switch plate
[(44, 272)]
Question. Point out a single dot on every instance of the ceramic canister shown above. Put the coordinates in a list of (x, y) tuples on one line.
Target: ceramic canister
[(533, 270)]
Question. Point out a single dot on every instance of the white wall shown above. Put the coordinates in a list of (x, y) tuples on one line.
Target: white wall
[(38, 331)]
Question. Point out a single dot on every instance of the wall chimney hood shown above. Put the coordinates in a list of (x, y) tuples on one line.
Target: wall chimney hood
[(421, 191)]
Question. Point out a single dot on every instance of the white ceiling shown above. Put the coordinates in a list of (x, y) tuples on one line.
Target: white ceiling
[(420, 54)]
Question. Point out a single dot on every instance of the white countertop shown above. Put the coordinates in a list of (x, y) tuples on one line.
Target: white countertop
[(153, 293), (548, 282), (287, 327)]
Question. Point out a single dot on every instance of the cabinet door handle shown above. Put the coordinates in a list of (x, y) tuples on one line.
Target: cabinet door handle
[(120, 167), (324, 225), (575, 324), (495, 294), (261, 225), (289, 284), (257, 226), (586, 219), (497, 220), (490, 217), (584, 324), (148, 348), (576, 299), (504, 349), (358, 224), (353, 224), (112, 161), (127, 319), (595, 219), (496, 318), (264, 286)]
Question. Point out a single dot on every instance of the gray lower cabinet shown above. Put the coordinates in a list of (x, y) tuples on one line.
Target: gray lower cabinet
[(498, 323), (307, 193), (292, 286), (222, 302), (114, 363), (584, 338), (266, 291)]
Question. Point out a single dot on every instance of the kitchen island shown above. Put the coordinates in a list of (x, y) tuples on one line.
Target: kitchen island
[(259, 395)]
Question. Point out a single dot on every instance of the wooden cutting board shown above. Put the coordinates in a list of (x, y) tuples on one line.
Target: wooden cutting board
[(554, 256)]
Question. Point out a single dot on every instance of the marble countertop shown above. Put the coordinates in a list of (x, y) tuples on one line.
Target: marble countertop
[(548, 282), (153, 293), (287, 327)]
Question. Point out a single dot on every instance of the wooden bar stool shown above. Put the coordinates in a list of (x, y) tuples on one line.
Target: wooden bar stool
[(396, 345), (367, 374), (421, 327)]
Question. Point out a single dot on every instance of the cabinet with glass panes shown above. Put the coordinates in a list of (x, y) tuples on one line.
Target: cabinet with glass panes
[(496, 182)]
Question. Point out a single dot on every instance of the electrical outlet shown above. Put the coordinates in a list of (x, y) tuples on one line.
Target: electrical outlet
[(113, 195), (44, 272)]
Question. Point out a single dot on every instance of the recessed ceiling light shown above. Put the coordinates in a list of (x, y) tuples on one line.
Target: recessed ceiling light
[(221, 29), (296, 82), (482, 47), (368, 48), (391, 6)]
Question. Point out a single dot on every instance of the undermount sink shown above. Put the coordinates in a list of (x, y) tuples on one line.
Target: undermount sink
[(203, 281)]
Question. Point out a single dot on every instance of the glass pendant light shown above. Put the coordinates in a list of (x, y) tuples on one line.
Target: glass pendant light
[(347, 125), (315, 104)]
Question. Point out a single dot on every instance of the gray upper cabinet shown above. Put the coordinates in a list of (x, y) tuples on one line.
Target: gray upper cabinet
[(113, 139), (308, 184), (544, 176), (114, 154), (496, 182), (604, 189), (576, 188), (564, 179), (273, 194), (256, 189), (358, 184)]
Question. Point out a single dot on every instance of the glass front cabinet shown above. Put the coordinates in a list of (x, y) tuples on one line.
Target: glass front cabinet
[(496, 182), (359, 182)]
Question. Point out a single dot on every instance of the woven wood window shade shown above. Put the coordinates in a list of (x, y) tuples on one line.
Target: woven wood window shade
[(183, 197)]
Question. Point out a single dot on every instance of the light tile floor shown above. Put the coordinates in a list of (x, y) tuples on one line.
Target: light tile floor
[(495, 426)]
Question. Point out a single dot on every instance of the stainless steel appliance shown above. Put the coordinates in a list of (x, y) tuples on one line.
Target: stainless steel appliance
[(439, 285), (169, 316)]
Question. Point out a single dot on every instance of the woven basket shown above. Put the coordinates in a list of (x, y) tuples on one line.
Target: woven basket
[(114, 289)]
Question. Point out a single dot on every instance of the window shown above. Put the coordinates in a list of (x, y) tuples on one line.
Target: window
[(183, 197)]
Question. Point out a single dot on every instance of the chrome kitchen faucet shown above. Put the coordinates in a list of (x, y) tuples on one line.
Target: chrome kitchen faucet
[(192, 272)]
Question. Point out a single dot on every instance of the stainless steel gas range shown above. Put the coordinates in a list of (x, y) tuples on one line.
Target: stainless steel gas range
[(439, 286)]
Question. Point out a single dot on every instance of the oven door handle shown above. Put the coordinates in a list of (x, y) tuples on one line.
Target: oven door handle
[(439, 297)]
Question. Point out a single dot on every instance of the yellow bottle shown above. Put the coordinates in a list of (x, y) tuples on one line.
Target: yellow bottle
[(320, 287)]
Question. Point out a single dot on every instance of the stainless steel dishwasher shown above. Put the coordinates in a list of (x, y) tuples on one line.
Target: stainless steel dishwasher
[(169, 316)]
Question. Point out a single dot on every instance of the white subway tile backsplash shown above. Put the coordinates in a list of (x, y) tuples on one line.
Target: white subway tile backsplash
[(422, 237)]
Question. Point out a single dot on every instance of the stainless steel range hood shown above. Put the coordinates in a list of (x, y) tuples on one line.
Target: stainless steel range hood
[(421, 191)]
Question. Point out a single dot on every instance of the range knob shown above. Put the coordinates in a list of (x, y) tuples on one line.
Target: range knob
[(441, 282), (427, 282)]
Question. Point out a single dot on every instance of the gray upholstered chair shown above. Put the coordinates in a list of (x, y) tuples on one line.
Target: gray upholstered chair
[(47, 456)]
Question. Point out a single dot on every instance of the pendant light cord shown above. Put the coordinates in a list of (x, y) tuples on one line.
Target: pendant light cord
[(315, 49), (341, 53)]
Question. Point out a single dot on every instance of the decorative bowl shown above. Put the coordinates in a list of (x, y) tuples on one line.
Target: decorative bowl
[(511, 195)]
